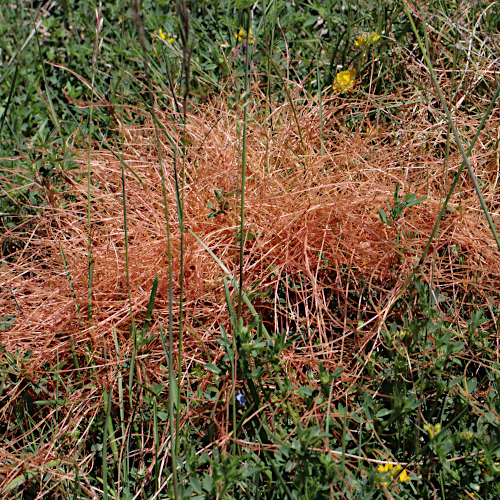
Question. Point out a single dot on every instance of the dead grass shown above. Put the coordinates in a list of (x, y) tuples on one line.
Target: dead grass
[(320, 260)]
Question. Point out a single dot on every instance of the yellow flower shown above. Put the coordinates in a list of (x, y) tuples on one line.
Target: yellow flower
[(467, 495), (160, 33), (402, 334), (391, 473), (366, 39), (383, 468), (403, 477), (493, 468), (432, 430), (163, 35), (345, 81), (242, 35), (386, 467)]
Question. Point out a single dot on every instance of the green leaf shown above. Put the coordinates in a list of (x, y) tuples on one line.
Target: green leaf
[(151, 305), (471, 385), (489, 417), (415, 202), (383, 217), (207, 483), (157, 388), (196, 485), (212, 368), (306, 391), (258, 345), (310, 21), (163, 416)]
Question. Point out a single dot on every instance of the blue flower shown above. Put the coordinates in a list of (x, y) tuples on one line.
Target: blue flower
[(240, 397)]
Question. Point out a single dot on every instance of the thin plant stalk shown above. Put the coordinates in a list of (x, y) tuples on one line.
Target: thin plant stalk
[(12, 86), (242, 238), (243, 171), (99, 21), (187, 51), (142, 39), (124, 187)]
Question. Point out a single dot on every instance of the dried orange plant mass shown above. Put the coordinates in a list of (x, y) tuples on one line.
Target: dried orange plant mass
[(313, 232), (309, 214)]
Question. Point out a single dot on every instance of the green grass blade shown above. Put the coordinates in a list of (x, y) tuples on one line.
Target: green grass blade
[(151, 305), (12, 86), (105, 448)]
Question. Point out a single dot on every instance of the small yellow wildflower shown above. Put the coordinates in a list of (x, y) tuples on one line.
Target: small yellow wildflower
[(160, 33), (432, 430), (163, 35), (380, 470), (242, 35), (494, 467), (467, 495), (404, 477), (391, 473), (386, 467), (366, 39), (345, 81), (402, 334)]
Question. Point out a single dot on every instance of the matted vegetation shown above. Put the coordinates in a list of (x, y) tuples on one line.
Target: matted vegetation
[(337, 272)]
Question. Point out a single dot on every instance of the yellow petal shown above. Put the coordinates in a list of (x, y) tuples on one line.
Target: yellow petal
[(345, 81), (403, 477)]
